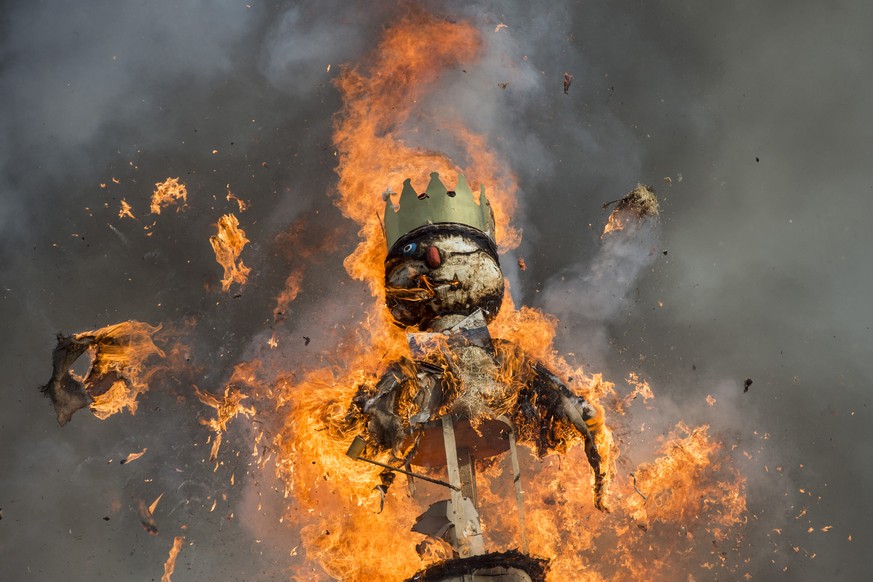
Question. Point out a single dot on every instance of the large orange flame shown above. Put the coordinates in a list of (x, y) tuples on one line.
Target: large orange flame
[(335, 509)]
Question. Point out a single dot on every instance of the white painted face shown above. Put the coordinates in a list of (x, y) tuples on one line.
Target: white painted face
[(447, 269)]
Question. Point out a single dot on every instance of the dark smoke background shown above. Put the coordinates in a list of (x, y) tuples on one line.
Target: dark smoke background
[(759, 114)]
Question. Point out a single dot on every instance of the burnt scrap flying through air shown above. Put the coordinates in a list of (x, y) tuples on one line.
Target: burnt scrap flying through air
[(462, 396)]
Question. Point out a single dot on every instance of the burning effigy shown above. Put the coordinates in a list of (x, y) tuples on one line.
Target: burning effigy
[(462, 396), (507, 447)]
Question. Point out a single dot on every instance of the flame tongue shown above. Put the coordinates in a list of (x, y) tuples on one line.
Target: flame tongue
[(228, 243), (116, 375), (370, 127)]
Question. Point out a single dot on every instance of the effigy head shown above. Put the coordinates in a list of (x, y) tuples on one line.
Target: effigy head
[(442, 259)]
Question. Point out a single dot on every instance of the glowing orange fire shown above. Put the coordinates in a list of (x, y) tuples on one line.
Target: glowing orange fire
[(335, 506), (170, 564), (226, 409), (117, 375), (657, 510), (126, 210), (227, 244), (170, 191)]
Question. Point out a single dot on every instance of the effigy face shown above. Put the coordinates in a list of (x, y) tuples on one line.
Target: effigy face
[(442, 269)]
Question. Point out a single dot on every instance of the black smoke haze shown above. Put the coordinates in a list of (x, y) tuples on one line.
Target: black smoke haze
[(757, 113)]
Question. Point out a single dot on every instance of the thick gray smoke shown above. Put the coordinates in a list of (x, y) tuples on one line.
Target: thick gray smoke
[(758, 114)]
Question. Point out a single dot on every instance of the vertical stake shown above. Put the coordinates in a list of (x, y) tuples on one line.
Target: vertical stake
[(519, 494)]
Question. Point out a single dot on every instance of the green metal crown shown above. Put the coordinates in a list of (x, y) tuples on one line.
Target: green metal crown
[(437, 205)]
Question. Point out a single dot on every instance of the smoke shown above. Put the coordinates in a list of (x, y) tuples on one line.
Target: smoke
[(587, 297), (759, 109)]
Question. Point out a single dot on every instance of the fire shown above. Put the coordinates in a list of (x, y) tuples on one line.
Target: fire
[(369, 133), (347, 529), (639, 202), (170, 564), (227, 407), (121, 352), (227, 244), (126, 210), (242, 204), (289, 293), (336, 509), (170, 191)]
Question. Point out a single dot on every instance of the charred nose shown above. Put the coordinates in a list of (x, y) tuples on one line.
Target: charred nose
[(433, 258)]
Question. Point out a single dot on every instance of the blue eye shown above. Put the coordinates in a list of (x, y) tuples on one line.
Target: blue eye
[(409, 249)]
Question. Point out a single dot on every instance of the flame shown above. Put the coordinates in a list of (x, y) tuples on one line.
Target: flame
[(119, 352), (170, 564), (242, 204), (370, 128), (126, 210), (333, 507), (288, 294), (638, 203), (613, 224), (227, 244), (170, 191), (134, 456), (226, 408), (347, 540)]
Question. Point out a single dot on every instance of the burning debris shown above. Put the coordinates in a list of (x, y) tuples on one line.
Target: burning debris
[(170, 564), (133, 456), (226, 409), (636, 205), (242, 204), (227, 244), (115, 376), (170, 191), (147, 517), (126, 210)]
